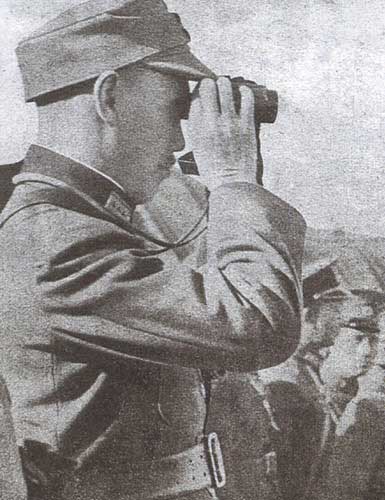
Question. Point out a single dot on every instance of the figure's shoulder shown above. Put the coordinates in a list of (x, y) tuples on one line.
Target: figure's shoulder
[(372, 384), (369, 403), (371, 406), (365, 414)]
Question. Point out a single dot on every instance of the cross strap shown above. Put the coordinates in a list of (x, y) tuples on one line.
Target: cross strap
[(70, 200)]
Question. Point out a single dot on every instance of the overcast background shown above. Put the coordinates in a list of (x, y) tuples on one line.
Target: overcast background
[(326, 58)]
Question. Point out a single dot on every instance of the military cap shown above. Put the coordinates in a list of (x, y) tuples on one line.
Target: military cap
[(321, 281), (324, 282), (331, 304), (365, 325), (99, 35)]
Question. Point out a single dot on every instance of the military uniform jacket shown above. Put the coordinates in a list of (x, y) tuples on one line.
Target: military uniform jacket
[(356, 466), (103, 343)]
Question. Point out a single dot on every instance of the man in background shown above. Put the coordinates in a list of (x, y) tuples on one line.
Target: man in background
[(309, 393), (356, 470)]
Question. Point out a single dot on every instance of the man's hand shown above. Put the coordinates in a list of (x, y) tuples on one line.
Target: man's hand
[(224, 142)]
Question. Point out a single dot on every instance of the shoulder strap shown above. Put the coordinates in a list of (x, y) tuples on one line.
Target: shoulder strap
[(70, 200), (58, 197)]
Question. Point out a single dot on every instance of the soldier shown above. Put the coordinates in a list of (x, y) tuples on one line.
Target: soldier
[(107, 348), (309, 393), (355, 469)]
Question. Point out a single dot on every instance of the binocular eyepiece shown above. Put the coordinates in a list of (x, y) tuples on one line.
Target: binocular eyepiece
[(265, 111)]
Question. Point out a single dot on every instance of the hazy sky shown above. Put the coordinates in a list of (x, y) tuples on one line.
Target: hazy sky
[(325, 154)]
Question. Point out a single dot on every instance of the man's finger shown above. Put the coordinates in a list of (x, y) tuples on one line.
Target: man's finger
[(195, 106), (247, 107), (208, 94), (226, 97)]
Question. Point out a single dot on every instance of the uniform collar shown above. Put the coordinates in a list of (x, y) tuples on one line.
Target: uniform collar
[(101, 188)]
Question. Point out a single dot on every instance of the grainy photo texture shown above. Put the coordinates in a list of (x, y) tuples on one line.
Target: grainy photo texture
[(192, 250)]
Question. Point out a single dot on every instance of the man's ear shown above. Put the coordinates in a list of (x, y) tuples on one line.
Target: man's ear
[(105, 96)]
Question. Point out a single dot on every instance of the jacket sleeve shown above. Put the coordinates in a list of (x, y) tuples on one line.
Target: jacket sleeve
[(356, 452), (105, 298)]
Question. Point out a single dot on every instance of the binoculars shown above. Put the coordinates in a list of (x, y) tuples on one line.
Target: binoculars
[(265, 111)]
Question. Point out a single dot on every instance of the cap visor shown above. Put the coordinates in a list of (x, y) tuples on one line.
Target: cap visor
[(179, 61)]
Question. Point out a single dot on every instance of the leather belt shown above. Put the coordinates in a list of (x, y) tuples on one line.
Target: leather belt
[(194, 469)]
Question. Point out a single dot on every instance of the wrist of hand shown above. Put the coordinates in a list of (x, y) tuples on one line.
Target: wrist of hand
[(234, 180), (229, 176), (211, 186)]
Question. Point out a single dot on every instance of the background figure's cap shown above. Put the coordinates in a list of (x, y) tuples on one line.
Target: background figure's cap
[(365, 325), (320, 280), (99, 35), (324, 282), (331, 304)]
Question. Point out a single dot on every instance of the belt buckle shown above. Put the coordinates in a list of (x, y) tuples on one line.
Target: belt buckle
[(216, 464)]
